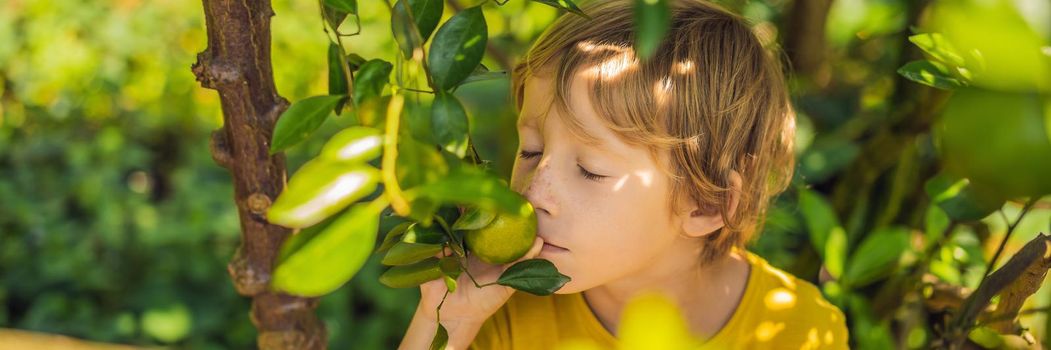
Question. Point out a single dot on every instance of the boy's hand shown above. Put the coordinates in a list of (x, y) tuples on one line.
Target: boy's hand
[(470, 304)]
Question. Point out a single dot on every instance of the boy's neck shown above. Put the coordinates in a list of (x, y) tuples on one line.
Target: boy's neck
[(701, 292)]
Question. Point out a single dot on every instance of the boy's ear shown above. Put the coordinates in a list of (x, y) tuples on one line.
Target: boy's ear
[(697, 223)]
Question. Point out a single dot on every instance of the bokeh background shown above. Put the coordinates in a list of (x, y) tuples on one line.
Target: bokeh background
[(116, 225)]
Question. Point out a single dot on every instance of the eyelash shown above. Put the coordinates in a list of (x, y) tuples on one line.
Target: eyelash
[(584, 172)]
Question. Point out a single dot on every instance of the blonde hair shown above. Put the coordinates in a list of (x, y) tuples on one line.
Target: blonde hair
[(711, 95)]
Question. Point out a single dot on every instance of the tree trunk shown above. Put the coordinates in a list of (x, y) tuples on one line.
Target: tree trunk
[(805, 37), (236, 63)]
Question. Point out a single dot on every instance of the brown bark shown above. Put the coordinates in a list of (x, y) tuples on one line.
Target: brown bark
[(237, 64), (805, 37), (1019, 278)]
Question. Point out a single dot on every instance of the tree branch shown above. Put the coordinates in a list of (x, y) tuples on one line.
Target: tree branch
[(805, 37), (237, 65), (1019, 278)]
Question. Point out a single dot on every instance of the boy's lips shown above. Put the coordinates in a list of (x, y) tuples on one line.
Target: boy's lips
[(551, 245), (550, 248)]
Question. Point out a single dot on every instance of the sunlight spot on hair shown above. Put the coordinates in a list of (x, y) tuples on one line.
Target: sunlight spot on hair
[(612, 67), (590, 46), (780, 299), (620, 183), (646, 176), (684, 67), (660, 90), (766, 32)]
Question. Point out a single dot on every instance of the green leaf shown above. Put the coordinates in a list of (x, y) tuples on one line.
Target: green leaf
[(332, 257), (426, 13), (960, 199), (355, 61), (867, 328), (348, 6), (356, 144), (334, 17), (418, 233), (483, 76), (451, 270), (301, 119), (449, 121), (370, 80), (935, 45), (450, 283), (297, 240), (393, 236), (930, 73), (320, 189), (986, 337), (936, 221), (876, 256), (450, 266), (820, 218), (441, 338), (827, 156), (1000, 46), (419, 163), (457, 48), (406, 33), (567, 5), (372, 112), (404, 253), (535, 276), (337, 80), (474, 187), (412, 275), (652, 19), (423, 210), (835, 252), (474, 218), (417, 119)]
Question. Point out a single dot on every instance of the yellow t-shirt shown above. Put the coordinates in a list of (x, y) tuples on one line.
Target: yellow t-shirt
[(777, 311)]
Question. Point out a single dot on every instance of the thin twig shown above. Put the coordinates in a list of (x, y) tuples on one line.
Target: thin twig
[(1010, 229)]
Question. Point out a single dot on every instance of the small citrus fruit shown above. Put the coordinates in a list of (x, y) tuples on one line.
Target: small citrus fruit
[(507, 238)]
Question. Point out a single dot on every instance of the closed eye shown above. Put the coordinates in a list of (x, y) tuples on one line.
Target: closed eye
[(583, 172), (589, 175), (528, 155)]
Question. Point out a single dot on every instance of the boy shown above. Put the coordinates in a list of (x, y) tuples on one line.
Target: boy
[(645, 176)]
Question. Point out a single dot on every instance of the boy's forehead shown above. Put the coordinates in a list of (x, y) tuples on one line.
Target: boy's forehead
[(537, 101), (539, 105)]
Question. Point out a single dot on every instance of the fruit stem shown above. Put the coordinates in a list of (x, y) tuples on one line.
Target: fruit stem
[(449, 233), (469, 275), (438, 310)]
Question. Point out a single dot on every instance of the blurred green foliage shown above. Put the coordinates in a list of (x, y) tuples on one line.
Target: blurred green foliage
[(116, 225)]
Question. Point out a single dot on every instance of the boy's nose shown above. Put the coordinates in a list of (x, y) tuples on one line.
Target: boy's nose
[(539, 192)]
